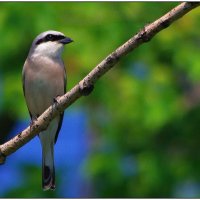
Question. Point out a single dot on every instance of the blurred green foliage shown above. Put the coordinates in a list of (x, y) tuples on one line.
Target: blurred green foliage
[(144, 114)]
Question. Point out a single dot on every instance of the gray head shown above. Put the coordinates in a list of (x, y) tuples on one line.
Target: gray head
[(49, 43)]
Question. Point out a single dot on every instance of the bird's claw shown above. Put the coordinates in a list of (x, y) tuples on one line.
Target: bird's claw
[(55, 99), (33, 120)]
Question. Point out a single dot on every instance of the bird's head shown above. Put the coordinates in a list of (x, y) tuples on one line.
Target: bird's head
[(50, 44)]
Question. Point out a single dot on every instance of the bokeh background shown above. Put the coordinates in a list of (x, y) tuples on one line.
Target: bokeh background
[(138, 133)]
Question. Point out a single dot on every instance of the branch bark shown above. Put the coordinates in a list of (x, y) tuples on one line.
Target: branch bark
[(144, 35)]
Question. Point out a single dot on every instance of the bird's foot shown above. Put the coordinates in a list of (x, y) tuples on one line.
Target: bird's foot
[(33, 120), (55, 99)]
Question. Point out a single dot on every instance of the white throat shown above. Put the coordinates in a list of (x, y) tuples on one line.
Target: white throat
[(48, 49)]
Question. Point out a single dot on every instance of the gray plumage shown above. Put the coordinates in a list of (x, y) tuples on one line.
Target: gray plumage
[(44, 78)]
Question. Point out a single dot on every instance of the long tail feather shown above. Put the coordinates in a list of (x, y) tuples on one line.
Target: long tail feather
[(47, 139), (48, 170)]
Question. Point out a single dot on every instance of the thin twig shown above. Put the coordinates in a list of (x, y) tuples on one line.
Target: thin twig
[(144, 35)]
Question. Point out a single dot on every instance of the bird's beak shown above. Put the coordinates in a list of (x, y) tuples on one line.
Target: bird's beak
[(66, 40)]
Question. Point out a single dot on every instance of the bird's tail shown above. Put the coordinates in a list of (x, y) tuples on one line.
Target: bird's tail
[(48, 170)]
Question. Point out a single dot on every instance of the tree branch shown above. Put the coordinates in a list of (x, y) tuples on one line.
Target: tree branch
[(144, 35)]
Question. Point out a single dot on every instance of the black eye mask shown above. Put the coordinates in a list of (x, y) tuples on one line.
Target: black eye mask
[(50, 37)]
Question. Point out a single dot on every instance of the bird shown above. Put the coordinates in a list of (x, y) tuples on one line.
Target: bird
[(44, 79)]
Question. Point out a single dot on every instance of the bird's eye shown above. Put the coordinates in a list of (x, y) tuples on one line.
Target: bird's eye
[(49, 37)]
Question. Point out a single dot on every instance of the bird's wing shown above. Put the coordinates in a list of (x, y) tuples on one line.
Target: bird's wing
[(23, 85), (62, 115)]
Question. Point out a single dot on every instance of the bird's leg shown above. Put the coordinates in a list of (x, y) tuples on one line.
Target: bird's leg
[(33, 119), (55, 99), (85, 90)]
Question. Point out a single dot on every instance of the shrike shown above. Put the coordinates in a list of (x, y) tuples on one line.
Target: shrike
[(44, 79)]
